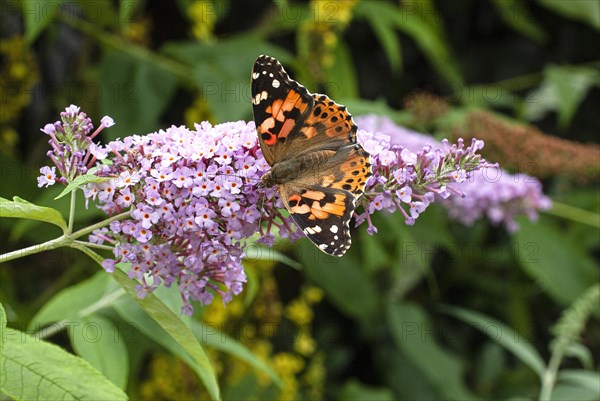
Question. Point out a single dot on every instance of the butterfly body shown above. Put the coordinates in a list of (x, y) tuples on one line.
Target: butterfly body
[(310, 143), (291, 169)]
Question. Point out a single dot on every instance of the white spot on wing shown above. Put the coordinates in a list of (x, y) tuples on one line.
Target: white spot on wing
[(259, 97), (333, 229), (275, 83), (255, 75)]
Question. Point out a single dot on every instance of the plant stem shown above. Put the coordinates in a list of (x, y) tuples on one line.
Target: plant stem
[(575, 214), (72, 212), (549, 377), (93, 255), (101, 224), (97, 246), (63, 240), (46, 246)]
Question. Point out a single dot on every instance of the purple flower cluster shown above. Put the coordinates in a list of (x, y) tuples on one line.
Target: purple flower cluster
[(190, 200), (194, 200), (499, 196), (70, 140), (409, 180), (489, 192)]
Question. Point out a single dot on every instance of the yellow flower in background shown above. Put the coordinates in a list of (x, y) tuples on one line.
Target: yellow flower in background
[(313, 295), (267, 307), (170, 379), (198, 111), (278, 334), (319, 34), (299, 312), (304, 344), (138, 31), (203, 16), (315, 375), (287, 366)]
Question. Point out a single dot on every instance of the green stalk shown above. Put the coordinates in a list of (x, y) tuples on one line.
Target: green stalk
[(64, 240), (574, 214), (549, 377), (72, 212), (103, 223), (46, 246), (115, 42)]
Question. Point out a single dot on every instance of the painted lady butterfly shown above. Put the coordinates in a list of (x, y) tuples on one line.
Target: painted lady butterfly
[(310, 143)]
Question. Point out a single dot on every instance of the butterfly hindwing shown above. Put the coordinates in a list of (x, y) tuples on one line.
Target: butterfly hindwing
[(324, 215), (348, 170)]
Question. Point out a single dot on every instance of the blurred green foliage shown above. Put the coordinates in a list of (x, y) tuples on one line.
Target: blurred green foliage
[(433, 311)]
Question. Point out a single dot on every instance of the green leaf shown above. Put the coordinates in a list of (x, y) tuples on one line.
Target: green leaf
[(585, 378), (72, 301), (98, 341), (582, 353), (81, 180), (586, 11), (363, 106), (30, 230), (218, 340), (22, 209), (564, 271), (388, 39), (573, 392), (38, 370), (516, 15), (126, 9), (256, 252), (222, 71), (563, 90), (414, 336), (423, 29), (383, 27), (354, 390), (135, 92), (170, 327), (343, 279), (38, 15), (341, 76), (503, 335), (3, 322)]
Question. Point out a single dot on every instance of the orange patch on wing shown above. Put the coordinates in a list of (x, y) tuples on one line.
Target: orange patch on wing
[(334, 208), (274, 108), (318, 213), (286, 128), (300, 209), (309, 132), (272, 139), (321, 212), (314, 195), (327, 180), (296, 198), (266, 125), (352, 182)]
